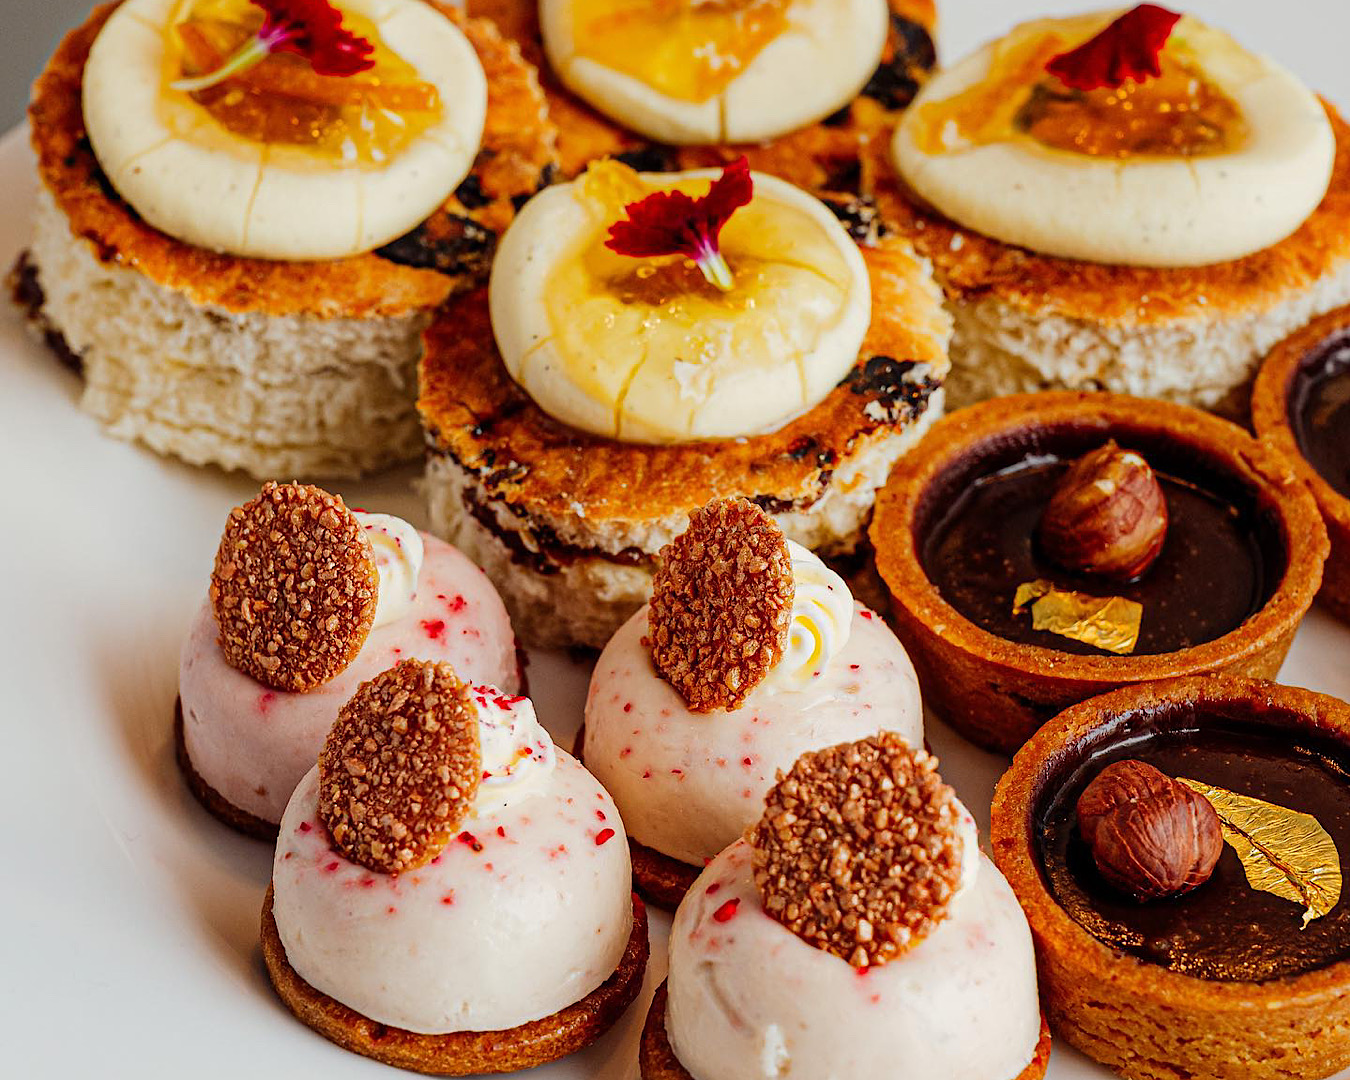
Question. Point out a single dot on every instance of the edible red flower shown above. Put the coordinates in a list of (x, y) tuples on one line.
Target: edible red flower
[(1130, 48), (311, 29), (673, 223)]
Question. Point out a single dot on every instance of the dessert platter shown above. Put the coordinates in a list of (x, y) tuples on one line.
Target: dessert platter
[(680, 540)]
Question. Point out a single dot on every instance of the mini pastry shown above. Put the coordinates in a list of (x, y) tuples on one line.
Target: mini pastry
[(1301, 408), (1041, 549), (856, 930), (249, 209), (751, 653), (1178, 849), (658, 341), (1137, 204), (450, 893), (672, 85), (270, 659)]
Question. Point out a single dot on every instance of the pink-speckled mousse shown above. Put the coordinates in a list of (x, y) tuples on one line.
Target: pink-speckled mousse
[(253, 744), (688, 784)]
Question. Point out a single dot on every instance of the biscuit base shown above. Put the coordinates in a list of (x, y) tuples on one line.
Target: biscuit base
[(657, 1060), (461, 1053), (215, 803)]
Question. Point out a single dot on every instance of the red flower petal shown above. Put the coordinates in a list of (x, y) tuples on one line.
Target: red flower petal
[(673, 223), (1127, 49), (313, 29)]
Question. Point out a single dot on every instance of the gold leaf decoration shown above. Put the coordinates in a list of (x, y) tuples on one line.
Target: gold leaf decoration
[(1110, 622), (1283, 852)]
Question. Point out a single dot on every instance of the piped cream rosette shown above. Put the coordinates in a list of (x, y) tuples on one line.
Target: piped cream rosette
[(1141, 210), (725, 71), (191, 177), (645, 350)]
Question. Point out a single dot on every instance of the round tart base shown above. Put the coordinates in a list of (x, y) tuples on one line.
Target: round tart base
[(212, 800), (280, 368), (1027, 322), (997, 692), (462, 1053), (658, 1061), (1137, 1018), (1270, 417)]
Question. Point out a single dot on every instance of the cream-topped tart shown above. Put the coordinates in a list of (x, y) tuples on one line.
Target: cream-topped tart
[(657, 341), (752, 652), (856, 930), (249, 209), (268, 662), (1100, 191), (450, 893)]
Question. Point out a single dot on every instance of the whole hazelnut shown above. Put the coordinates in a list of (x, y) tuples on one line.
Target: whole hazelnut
[(1107, 516), (1150, 835)]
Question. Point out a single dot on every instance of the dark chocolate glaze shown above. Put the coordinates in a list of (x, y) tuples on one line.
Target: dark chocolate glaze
[(1214, 571), (1224, 930), (1319, 410)]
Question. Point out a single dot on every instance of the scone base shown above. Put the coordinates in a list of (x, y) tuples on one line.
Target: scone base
[(215, 803), (462, 1053), (657, 1061)]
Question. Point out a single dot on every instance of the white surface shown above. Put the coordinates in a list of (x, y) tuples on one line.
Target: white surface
[(129, 916)]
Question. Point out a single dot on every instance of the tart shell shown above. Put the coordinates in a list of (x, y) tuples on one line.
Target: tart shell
[(657, 1059), (468, 1052), (1141, 1020), (1270, 417), (998, 692)]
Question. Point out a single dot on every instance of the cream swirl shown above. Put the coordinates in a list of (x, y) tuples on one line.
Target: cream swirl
[(518, 754), (398, 557), (822, 615)]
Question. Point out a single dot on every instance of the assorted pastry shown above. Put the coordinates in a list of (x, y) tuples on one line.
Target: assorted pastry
[(855, 930), (1132, 202), (651, 342), (1040, 549), (751, 652), (448, 893), (308, 600), (666, 291)]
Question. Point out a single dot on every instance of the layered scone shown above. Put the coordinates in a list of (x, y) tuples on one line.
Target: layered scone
[(249, 208), (751, 653), (1135, 203), (674, 85), (649, 343), (450, 893), (308, 600), (856, 930)]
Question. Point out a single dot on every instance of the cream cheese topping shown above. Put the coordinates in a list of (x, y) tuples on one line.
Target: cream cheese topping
[(398, 558), (193, 178), (745, 97), (1141, 210), (644, 350), (518, 754), (822, 616)]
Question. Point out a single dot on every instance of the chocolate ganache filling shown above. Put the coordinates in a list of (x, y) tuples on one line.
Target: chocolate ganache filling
[(1319, 410)]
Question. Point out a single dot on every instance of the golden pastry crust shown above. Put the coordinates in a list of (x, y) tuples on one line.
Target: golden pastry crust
[(971, 266), (657, 1059), (1270, 417), (519, 153), (476, 414), (823, 156), (463, 1053), (212, 800)]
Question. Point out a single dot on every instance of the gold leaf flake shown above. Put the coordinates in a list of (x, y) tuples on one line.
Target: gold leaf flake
[(1283, 852), (1110, 623)]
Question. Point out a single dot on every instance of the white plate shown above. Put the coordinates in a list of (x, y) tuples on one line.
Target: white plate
[(128, 917)]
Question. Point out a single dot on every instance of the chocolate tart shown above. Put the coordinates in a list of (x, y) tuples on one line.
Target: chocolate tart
[(1299, 408), (657, 1060), (462, 1053), (1240, 569), (1219, 982), (823, 156), (567, 524)]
